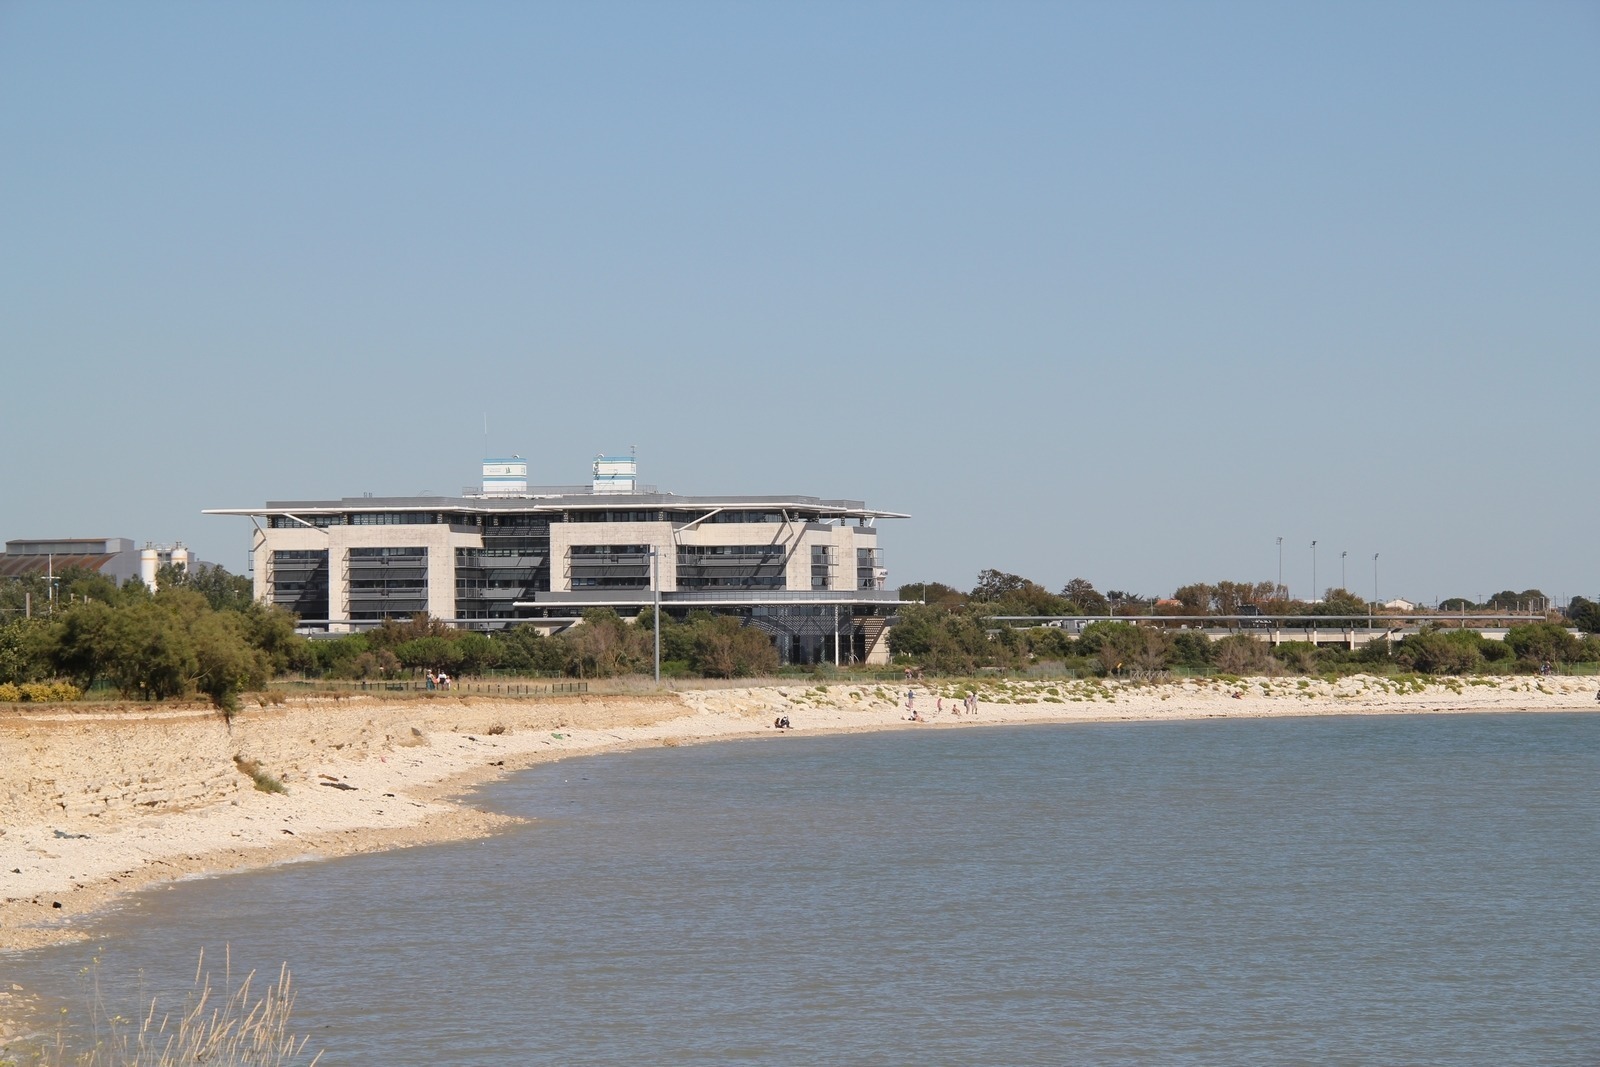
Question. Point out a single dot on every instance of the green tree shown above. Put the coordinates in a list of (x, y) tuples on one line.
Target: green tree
[(152, 652), (225, 661), (941, 640), (1242, 654), (429, 653), (1084, 596), (1196, 598), (476, 651), (1542, 642), (1299, 656), (725, 648), (24, 650), (82, 643), (1585, 614), (1435, 650), (335, 657), (525, 648), (271, 629), (1340, 602), (1051, 643), (1527, 600), (995, 585), (1124, 646), (602, 646), (1191, 648), (222, 590)]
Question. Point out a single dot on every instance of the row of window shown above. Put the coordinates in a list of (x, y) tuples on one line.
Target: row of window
[(732, 581), (690, 553), (607, 551)]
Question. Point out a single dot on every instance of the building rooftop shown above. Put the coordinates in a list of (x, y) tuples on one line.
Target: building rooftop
[(573, 500)]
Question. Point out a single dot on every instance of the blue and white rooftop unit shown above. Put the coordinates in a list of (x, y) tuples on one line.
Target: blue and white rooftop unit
[(505, 477), (615, 474)]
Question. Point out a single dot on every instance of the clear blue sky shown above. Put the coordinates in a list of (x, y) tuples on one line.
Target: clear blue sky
[(1119, 291)]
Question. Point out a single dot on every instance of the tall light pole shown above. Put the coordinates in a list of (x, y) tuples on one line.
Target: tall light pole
[(1374, 608), (1344, 577), (1277, 594), (655, 596), (1313, 572)]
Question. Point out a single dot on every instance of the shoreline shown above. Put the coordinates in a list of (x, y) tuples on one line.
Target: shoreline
[(116, 800), (101, 803)]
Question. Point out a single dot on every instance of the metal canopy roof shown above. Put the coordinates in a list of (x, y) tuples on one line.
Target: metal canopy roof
[(544, 504)]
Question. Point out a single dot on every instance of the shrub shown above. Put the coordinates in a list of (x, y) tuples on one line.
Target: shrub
[(1436, 651), (40, 692), (265, 781)]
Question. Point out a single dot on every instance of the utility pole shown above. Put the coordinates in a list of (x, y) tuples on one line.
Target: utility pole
[(1344, 578)]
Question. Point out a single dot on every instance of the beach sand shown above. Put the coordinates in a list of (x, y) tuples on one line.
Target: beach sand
[(98, 801)]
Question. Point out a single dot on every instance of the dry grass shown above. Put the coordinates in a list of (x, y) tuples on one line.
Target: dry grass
[(230, 1028), (265, 781)]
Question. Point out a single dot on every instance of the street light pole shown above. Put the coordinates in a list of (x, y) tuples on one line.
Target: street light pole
[(1344, 577), (655, 591), (1313, 572), (1277, 594)]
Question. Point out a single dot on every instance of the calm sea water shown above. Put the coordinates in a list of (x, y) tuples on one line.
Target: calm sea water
[(1403, 890)]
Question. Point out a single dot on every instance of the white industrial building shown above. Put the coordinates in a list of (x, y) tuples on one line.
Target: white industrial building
[(807, 571)]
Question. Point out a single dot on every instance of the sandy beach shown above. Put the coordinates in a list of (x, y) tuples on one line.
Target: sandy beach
[(101, 801)]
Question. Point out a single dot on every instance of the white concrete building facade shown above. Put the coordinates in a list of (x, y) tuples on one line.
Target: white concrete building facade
[(807, 571)]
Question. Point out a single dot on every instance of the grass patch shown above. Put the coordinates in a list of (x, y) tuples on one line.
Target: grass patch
[(265, 780), (230, 1027)]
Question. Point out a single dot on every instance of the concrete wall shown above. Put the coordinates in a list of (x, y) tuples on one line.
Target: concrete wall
[(441, 542)]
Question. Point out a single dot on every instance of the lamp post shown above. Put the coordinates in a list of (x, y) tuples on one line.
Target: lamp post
[(1313, 572), (1344, 577), (1278, 592), (655, 597)]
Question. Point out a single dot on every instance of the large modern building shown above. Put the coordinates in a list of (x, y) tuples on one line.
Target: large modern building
[(808, 572)]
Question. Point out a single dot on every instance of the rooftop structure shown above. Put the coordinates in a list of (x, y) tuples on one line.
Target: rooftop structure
[(806, 570)]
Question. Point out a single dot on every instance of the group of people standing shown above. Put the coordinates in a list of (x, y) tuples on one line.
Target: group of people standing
[(438, 681)]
